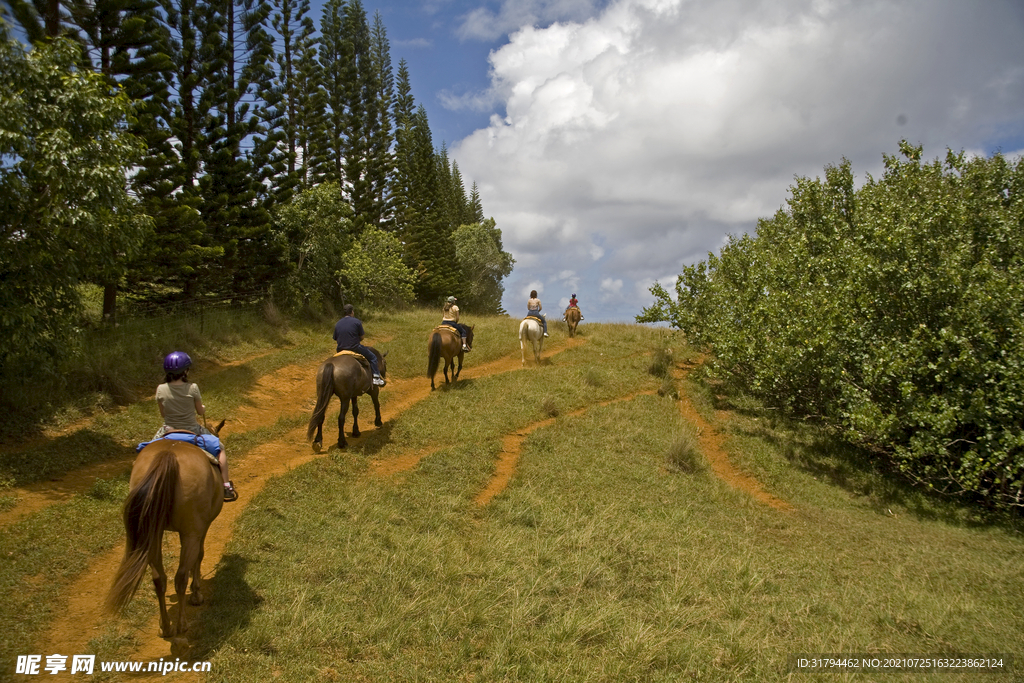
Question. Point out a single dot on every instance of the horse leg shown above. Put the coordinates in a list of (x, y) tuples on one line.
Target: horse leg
[(459, 371), (375, 397), (196, 597), (355, 417), (319, 440), (341, 424), (156, 564), (448, 364), (190, 554), (522, 348)]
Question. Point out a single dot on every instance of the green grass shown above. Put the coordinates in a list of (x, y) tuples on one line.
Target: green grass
[(614, 554)]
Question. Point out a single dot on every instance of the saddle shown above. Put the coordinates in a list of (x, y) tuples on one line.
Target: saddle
[(360, 357), (209, 444), (450, 330), (534, 317)]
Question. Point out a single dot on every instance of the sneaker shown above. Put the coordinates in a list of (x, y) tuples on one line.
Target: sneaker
[(545, 334), (466, 349), (230, 494), (378, 381)]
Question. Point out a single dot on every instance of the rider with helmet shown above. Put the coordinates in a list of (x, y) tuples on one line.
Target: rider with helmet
[(180, 401), (450, 317), (573, 303)]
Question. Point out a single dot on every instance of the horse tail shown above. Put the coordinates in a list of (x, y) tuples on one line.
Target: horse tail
[(324, 392), (433, 354), (147, 512)]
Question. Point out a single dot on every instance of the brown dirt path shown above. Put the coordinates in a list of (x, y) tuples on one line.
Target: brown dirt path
[(712, 446), (512, 446), (291, 389), (286, 391)]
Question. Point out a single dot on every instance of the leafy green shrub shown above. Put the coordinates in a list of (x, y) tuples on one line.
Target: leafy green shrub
[(894, 312)]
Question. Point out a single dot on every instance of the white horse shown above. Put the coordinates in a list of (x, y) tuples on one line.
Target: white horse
[(531, 330)]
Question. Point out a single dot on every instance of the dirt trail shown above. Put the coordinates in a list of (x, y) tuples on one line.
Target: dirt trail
[(512, 446), (711, 445), (287, 391)]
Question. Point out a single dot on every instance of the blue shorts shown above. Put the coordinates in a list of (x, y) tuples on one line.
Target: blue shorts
[(208, 442)]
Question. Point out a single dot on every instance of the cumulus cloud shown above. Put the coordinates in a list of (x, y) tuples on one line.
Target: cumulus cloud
[(483, 23), (633, 140)]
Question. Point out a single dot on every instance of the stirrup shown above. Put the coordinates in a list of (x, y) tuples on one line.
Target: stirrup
[(230, 494), (466, 349)]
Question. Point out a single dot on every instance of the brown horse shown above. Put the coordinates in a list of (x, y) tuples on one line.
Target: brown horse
[(175, 486), (572, 319), (449, 346), (346, 377)]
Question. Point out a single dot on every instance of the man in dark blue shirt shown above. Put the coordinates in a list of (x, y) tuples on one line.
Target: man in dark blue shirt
[(348, 332)]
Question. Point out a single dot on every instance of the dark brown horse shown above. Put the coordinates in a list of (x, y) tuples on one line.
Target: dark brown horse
[(175, 486), (572, 319), (447, 344), (346, 377)]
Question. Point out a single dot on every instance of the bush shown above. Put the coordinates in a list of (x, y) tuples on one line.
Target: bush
[(894, 313)]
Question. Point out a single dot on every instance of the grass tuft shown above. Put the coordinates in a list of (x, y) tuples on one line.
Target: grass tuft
[(661, 363), (549, 407), (684, 455)]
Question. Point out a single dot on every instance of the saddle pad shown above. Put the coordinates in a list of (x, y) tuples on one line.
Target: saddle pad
[(360, 357), (209, 443), (533, 317)]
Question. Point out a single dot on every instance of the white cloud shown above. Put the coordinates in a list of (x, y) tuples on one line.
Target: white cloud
[(635, 138), (485, 24)]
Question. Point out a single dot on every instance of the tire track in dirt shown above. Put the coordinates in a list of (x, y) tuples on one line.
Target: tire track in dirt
[(713, 448), (84, 617)]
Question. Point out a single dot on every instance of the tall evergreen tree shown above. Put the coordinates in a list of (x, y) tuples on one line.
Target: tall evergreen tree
[(178, 252), (403, 113), (428, 236), (238, 50), (328, 142), (286, 97), (475, 209), (380, 162)]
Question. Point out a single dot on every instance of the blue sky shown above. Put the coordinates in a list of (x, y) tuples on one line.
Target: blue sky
[(615, 142)]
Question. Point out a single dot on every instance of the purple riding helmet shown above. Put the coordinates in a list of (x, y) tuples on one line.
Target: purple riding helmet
[(176, 362)]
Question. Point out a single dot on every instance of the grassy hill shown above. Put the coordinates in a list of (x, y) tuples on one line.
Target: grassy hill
[(533, 523)]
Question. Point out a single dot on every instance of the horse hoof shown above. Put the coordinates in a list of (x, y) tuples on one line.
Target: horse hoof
[(378, 423), (341, 445), (317, 446), (179, 646)]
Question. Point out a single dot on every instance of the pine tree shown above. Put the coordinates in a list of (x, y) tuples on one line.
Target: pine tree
[(286, 96), (404, 110), (179, 251), (328, 141), (238, 50), (380, 161), (475, 210)]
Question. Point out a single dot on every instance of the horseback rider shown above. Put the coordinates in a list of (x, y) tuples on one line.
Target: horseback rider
[(450, 317), (348, 332), (573, 303), (533, 307), (180, 401)]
